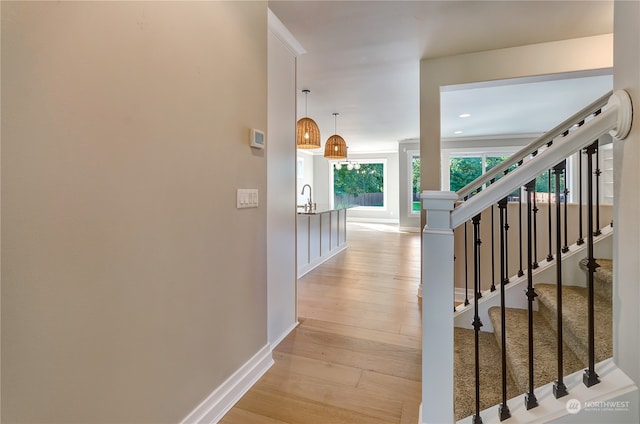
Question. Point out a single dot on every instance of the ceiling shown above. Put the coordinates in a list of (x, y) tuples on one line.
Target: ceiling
[(362, 61)]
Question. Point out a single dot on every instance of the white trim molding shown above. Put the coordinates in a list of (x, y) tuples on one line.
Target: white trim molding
[(279, 30), (218, 403), (306, 268), (284, 334)]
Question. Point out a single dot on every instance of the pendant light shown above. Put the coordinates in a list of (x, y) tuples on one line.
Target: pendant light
[(336, 147), (307, 131)]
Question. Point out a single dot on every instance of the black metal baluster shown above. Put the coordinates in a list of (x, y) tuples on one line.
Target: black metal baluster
[(565, 248), (550, 255), (476, 318), (535, 229), (590, 377), (493, 250), (520, 271), (466, 267), (559, 388), (503, 409), (454, 288), (530, 400), (597, 172), (580, 238), (505, 279)]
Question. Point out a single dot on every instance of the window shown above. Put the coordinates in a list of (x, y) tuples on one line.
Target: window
[(413, 175), (361, 186), (463, 168)]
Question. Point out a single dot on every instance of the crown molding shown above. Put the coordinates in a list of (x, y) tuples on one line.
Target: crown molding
[(279, 30)]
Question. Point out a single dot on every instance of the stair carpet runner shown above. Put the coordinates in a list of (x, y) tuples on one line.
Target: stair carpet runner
[(574, 311)]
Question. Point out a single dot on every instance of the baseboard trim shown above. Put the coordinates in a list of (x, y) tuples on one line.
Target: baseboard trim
[(409, 229), (284, 334), (373, 220), (218, 403), (460, 294), (305, 269)]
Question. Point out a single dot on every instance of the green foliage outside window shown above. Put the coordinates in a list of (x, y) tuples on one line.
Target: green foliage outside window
[(463, 170), (542, 183), (415, 165), (359, 187)]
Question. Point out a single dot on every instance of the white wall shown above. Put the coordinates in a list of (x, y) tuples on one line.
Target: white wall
[(281, 183), (307, 163), (321, 180), (132, 287), (626, 200)]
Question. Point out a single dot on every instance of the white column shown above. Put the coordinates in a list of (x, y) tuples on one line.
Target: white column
[(437, 308)]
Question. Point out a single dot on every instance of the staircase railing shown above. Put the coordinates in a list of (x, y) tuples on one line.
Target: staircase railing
[(447, 210), (556, 134)]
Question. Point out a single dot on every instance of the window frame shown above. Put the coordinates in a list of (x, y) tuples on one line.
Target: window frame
[(482, 152), (385, 180), (410, 155)]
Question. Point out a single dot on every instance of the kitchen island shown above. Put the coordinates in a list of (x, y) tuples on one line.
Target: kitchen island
[(321, 233)]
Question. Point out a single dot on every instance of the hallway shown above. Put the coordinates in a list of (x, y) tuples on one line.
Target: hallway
[(356, 355)]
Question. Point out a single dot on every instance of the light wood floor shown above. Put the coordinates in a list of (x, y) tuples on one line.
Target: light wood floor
[(356, 355)]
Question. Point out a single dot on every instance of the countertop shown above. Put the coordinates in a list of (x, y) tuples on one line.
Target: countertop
[(320, 209)]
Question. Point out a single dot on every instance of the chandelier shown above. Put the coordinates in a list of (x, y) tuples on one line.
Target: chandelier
[(350, 165)]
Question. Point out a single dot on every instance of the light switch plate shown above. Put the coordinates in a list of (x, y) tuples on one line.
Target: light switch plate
[(247, 198)]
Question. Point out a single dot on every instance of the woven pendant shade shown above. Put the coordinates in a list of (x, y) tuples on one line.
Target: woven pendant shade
[(335, 148), (307, 134)]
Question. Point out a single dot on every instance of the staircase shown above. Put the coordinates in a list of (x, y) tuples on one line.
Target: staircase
[(511, 350), (545, 348)]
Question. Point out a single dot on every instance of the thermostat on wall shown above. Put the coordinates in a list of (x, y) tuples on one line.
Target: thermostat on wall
[(257, 139)]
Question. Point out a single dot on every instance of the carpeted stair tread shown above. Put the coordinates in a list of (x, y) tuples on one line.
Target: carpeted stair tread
[(574, 313), (490, 373), (544, 348), (602, 278)]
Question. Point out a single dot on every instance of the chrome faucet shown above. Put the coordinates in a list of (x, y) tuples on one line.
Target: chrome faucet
[(309, 205)]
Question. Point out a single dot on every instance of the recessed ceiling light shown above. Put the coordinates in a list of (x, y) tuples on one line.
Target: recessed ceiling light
[(465, 115), (457, 132)]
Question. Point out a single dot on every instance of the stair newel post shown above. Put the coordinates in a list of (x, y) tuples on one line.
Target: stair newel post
[(530, 397), (466, 267), (477, 323), (503, 409), (559, 388), (520, 270), (437, 319), (597, 173), (549, 232), (590, 377), (580, 225)]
